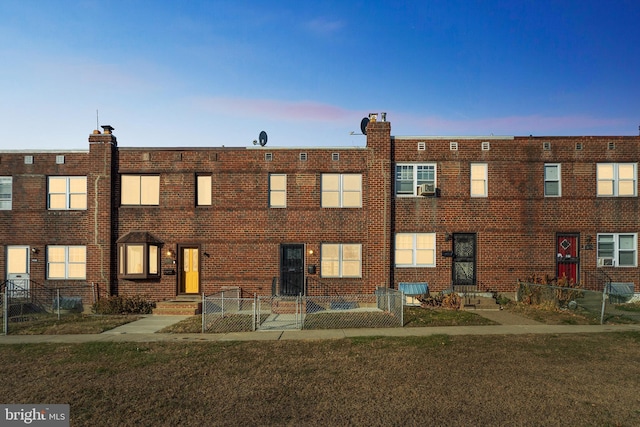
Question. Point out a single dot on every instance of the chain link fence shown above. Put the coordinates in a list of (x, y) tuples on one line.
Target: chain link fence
[(30, 302), (615, 303), (228, 312)]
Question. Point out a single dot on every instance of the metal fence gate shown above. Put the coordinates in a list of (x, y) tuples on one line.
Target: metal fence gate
[(227, 312)]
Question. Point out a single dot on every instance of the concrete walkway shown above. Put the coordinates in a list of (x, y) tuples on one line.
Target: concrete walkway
[(145, 330)]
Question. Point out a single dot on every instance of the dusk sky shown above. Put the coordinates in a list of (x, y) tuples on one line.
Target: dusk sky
[(211, 73)]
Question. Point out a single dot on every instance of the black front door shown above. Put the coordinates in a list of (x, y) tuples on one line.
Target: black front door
[(464, 259), (291, 269)]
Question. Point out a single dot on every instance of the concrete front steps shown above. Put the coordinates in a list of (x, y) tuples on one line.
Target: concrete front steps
[(181, 306), (480, 301)]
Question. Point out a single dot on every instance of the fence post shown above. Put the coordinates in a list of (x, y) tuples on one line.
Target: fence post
[(255, 315), (604, 299), (402, 300), (204, 311), (5, 309)]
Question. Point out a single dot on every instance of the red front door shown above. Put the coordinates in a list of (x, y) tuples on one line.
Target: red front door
[(568, 256)]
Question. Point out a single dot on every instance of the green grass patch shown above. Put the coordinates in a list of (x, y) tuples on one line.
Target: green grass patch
[(633, 307), (420, 317)]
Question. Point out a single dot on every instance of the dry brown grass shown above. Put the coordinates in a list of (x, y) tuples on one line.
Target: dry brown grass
[(49, 324), (582, 380)]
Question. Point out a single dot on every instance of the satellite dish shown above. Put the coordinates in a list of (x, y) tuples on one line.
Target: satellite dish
[(363, 125), (263, 138)]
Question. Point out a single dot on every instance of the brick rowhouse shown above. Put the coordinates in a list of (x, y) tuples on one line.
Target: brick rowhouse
[(481, 211)]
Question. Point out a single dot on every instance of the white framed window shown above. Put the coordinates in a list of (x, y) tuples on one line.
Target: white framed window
[(67, 193), (410, 178), (617, 179), (66, 262), (341, 260), (552, 175), (6, 192), (618, 249), (140, 190), (341, 190), (479, 178), (277, 190), (415, 250), (203, 190)]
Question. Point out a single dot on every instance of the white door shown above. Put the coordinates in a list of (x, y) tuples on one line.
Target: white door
[(18, 269)]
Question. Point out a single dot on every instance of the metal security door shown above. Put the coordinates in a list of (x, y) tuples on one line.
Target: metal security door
[(292, 269), (568, 256), (464, 259)]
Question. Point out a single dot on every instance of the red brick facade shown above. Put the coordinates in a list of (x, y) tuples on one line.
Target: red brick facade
[(239, 238)]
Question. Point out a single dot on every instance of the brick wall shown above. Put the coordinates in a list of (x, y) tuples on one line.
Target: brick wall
[(516, 225)]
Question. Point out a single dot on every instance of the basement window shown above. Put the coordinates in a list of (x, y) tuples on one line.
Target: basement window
[(138, 256)]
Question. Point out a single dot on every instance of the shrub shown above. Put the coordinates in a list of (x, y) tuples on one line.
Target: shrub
[(117, 304)]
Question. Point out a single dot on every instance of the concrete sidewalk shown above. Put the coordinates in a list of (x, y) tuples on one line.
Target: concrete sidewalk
[(145, 330)]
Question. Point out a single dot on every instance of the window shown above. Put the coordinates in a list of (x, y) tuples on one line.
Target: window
[(138, 260), (341, 190), (552, 180), (278, 191), (203, 188), (616, 179), (6, 185), (341, 260), (409, 178), (618, 250), (479, 179), (67, 193), (415, 250), (140, 190), (66, 262)]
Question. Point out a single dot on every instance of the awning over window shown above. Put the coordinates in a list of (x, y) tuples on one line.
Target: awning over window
[(140, 237)]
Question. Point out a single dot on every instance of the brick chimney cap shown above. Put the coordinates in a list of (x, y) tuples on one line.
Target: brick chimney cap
[(107, 128)]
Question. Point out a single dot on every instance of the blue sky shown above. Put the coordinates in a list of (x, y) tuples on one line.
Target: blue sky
[(211, 73)]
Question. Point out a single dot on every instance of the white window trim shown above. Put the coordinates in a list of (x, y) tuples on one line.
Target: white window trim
[(617, 250), (6, 200), (67, 194), (484, 179), (67, 262), (341, 191), (559, 180), (415, 185), (414, 249), (278, 191), (340, 260), (616, 180)]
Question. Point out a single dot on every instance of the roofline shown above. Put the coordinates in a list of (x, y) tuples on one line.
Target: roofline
[(239, 148), (455, 137), (42, 151)]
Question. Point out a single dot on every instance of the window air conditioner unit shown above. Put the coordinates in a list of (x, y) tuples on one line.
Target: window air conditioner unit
[(605, 262), (426, 190)]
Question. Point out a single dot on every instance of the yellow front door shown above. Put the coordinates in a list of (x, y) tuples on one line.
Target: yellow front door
[(190, 269)]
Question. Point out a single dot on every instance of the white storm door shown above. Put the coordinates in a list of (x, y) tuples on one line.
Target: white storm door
[(18, 267)]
